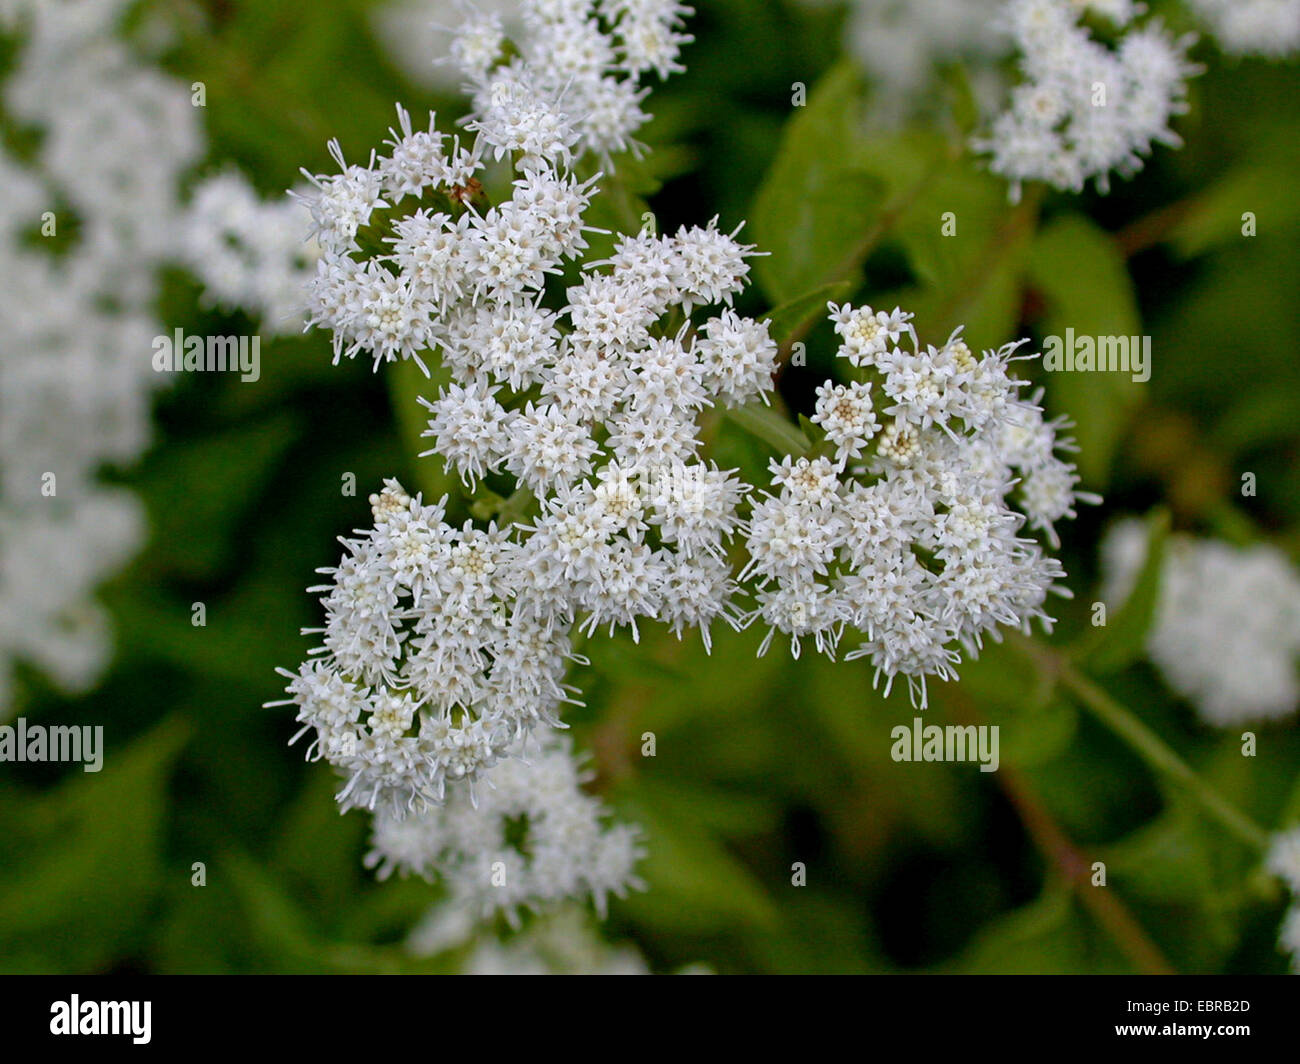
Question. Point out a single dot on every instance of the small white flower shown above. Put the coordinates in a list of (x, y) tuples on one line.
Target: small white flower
[(470, 429), (846, 415)]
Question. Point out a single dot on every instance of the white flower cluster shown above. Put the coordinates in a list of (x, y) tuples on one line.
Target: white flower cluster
[(1284, 862), (427, 672), (590, 408), (1084, 110), (1226, 632), (569, 410), (905, 530), (900, 44), (84, 226), (561, 943), (248, 253), (530, 838), (1268, 28), (581, 59), (443, 647)]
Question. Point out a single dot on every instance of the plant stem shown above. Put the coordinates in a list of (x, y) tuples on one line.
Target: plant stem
[(1075, 869), (1154, 751), (1067, 860)]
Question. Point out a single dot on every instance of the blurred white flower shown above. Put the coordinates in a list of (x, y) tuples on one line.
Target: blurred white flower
[(416, 35), (529, 837), (902, 44), (85, 226), (1268, 28), (1226, 633), (1283, 861), (1084, 110), (249, 253), (564, 942)]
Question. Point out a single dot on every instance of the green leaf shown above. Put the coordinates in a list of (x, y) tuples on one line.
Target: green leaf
[(1175, 857), (83, 863), (1077, 268), (1122, 640), (1188, 879), (292, 943), (787, 319), (695, 885), (1050, 936), (769, 426), (817, 202), (198, 493), (968, 248), (1215, 217)]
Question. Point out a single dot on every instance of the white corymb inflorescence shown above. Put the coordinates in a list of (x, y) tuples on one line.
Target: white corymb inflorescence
[(901, 44), (1269, 28), (572, 397), (428, 670), (910, 527), (580, 61), (589, 409), (1084, 110), (531, 837), (250, 254), (86, 219), (1226, 631)]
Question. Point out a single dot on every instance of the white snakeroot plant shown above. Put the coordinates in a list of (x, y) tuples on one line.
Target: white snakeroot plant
[(900, 44), (1269, 28), (1083, 110), (84, 227), (249, 254), (569, 400), (532, 838), (1226, 632)]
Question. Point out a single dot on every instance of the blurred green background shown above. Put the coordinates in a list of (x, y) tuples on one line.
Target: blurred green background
[(760, 763)]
